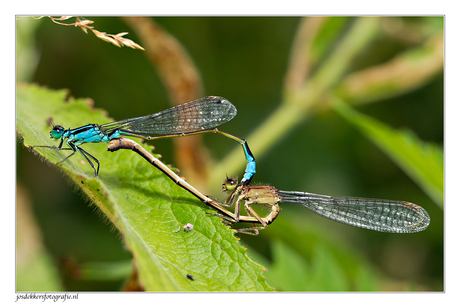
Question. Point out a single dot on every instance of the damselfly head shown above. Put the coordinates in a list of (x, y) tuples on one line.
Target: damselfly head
[(230, 184), (57, 132)]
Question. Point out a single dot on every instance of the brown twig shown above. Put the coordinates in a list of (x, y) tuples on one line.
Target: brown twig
[(405, 72)]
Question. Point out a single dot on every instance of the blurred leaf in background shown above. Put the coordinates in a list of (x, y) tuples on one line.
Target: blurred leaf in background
[(283, 74)]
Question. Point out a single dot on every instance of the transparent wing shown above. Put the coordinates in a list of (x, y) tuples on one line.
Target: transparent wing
[(201, 114), (374, 214)]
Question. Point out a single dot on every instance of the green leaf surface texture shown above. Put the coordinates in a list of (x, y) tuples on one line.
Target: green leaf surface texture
[(147, 208)]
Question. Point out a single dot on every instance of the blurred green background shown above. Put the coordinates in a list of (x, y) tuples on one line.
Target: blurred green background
[(244, 59)]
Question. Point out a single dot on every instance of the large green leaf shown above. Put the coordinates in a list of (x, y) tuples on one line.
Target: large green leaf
[(422, 161), (291, 272), (146, 207), (35, 270), (306, 255)]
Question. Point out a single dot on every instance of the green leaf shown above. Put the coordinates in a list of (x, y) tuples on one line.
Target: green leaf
[(146, 207), (289, 271), (422, 161), (38, 274), (313, 259), (328, 34), (35, 269)]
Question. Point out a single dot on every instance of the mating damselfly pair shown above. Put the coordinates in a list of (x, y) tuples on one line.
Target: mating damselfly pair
[(203, 116)]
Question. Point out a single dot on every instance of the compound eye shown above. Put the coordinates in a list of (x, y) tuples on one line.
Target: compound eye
[(57, 132), (229, 184)]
